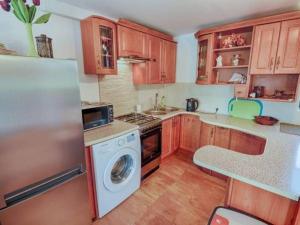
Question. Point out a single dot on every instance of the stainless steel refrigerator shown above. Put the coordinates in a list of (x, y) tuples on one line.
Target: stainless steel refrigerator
[(42, 169)]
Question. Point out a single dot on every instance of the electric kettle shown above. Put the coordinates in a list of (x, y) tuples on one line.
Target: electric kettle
[(192, 104)]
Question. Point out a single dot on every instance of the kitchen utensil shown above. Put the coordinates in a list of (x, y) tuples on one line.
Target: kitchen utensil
[(245, 108), (192, 104), (265, 120)]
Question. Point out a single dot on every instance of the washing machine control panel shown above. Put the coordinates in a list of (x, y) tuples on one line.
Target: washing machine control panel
[(131, 138)]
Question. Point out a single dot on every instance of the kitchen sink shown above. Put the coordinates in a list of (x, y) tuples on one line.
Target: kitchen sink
[(162, 111), (156, 112)]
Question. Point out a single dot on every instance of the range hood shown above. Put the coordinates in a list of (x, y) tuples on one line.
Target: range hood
[(133, 59)]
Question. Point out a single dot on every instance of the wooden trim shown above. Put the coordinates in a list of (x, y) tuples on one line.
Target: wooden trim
[(91, 182), (102, 18), (141, 28), (251, 22)]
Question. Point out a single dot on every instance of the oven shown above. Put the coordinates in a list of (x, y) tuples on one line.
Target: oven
[(151, 150)]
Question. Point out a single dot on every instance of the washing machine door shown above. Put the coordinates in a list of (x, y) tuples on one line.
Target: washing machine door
[(120, 169)]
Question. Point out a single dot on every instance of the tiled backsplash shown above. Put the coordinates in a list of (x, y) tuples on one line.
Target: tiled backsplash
[(119, 90)]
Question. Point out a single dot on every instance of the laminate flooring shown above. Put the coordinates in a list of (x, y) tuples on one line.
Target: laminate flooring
[(179, 193)]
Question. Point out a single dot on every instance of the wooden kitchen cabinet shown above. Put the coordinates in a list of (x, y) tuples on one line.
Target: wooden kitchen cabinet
[(246, 143), (170, 136), (99, 46), (190, 132), (288, 54), (264, 48), (263, 204), (222, 137), (161, 67), (207, 132), (155, 64), (276, 48), (168, 62), (205, 59), (131, 42), (176, 133), (167, 137)]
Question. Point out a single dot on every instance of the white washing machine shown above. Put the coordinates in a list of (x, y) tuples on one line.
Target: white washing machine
[(117, 164)]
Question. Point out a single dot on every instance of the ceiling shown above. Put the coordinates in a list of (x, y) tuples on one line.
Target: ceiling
[(179, 17)]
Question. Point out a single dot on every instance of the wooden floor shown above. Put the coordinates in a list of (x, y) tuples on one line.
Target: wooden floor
[(177, 194)]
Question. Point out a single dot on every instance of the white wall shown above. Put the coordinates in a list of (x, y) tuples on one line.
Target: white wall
[(66, 36)]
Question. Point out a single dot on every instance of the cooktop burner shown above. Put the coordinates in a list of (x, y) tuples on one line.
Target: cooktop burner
[(143, 121)]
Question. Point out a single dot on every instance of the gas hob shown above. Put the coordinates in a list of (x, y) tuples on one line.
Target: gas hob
[(145, 122)]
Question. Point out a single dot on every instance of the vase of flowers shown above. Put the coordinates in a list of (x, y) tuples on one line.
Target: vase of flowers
[(26, 13)]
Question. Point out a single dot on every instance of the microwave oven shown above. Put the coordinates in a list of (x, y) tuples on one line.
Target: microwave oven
[(96, 115)]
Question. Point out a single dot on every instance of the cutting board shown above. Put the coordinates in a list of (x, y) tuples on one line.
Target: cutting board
[(245, 108)]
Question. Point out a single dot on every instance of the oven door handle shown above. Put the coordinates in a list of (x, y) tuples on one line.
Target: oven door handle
[(150, 131)]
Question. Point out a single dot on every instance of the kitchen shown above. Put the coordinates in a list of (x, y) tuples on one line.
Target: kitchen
[(194, 145)]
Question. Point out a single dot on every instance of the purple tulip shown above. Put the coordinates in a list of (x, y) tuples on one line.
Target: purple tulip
[(36, 2), (5, 5)]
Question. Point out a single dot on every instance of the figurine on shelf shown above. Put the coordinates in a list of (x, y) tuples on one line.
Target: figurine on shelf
[(219, 60), (236, 59)]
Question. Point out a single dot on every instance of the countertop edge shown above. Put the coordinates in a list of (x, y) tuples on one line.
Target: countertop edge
[(109, 137), (244, 179)]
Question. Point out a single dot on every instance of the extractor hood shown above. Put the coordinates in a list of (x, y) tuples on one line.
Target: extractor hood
[(133, 59)]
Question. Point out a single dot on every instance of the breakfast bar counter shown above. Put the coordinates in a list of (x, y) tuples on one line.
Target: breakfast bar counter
[(276, 170)]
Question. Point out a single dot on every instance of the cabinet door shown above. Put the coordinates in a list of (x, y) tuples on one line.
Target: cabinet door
[(176, 133), (99, 46), (205, 60), (264, 48), (167, 137), (169, 62), (206, 134), (246, 143), (288, 55), (222, 137), (190, 129), (131, 42), (155, 55)]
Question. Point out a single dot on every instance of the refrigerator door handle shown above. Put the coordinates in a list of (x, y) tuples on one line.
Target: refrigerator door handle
[(42, 186)]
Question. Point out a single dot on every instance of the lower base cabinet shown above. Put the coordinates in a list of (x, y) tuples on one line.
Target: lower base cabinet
[(170, 136), (268, 206), (190, 132), (246, 143)]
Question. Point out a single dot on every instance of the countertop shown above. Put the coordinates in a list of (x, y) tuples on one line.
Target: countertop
[(115, 129), (277, 170)]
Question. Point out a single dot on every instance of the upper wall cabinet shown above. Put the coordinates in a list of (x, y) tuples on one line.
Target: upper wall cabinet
[(205, 59), (277, 48), (265, 48), (131, 43), (169, 62), (251, 54), (152, 53), (288, 55), (99, 46)]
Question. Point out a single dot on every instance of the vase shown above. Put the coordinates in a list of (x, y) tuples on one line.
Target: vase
[(31, 47)]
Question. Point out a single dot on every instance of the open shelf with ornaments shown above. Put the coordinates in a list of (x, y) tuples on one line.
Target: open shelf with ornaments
[(282, 88), (231, 54)]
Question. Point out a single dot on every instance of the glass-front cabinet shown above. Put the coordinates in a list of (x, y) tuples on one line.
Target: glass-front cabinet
[(205, 43), (99, 46)]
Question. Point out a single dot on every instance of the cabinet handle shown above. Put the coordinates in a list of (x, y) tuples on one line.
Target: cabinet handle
[(153, 60), (277, 62), (271, 63)]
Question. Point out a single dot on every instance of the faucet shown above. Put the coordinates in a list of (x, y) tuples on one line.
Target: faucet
[(156, 102)]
